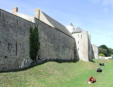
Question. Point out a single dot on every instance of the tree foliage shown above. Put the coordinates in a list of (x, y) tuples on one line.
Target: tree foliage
[(101, 55), (34, 43), (103, 49)]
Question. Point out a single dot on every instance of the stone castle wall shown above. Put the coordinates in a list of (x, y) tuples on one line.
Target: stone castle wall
[(90, 49), (55, 43), (95, 50), (14, 42)]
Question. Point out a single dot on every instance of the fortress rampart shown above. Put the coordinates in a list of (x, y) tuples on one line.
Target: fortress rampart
[(55, 41)]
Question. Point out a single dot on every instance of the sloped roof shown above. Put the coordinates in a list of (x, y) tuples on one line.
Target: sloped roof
[(46, 19), (29, 18), (53, 23)]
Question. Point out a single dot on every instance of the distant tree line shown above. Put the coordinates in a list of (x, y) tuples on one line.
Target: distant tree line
[(105, 51)]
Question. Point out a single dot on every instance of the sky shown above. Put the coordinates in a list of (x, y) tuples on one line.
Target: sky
[(94, 16)]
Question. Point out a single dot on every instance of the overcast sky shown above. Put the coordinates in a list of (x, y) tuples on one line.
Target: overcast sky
[(95, 16)]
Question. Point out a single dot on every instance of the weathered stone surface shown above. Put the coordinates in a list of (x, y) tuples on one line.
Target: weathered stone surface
[(86, 51), (95, 50), (50, 21), (14, 40), (55, 42), (83, 45)]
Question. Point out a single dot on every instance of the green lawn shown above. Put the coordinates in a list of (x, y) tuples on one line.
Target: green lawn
[(54, 74)]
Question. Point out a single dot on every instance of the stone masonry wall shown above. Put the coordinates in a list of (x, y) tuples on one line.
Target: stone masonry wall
[(55, 44), (14, 41), (95, 51)]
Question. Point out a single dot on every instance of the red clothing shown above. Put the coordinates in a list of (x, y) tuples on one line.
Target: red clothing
[(92, 79)]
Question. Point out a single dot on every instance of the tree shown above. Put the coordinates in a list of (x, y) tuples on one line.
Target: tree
[(101, 55), (110, 51), (34, 43), (103, 49)]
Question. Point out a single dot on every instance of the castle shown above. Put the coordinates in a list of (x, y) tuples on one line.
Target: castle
[(86, 51), (56, 42)]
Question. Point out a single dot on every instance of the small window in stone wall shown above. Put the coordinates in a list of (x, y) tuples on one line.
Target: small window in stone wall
[(78, 42), (81, 36)]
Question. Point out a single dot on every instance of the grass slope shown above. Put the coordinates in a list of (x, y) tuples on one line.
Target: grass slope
[(54, 74)]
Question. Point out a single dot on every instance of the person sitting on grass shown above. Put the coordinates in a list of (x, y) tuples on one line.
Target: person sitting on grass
[(91, 80)]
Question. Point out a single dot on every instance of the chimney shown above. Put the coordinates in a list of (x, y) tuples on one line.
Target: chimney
[(15, 10), (37, 13)]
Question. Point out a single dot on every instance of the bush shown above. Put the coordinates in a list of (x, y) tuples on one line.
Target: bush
[(101, 55)]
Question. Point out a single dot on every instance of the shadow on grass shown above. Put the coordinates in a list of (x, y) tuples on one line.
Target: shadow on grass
[(93, 61), (40, 62)]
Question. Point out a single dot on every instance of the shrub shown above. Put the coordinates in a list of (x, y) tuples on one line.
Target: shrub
[(101, 55)]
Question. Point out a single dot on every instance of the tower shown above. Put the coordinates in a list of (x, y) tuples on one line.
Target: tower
[(70, 28)]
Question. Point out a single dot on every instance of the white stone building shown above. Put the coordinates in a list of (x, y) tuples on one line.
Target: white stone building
[(86, 51), (95, 50)]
